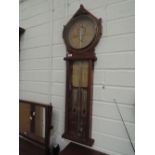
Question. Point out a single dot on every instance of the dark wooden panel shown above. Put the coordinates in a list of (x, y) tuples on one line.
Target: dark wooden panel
[(35, 121), (36, 140), (74, 149)]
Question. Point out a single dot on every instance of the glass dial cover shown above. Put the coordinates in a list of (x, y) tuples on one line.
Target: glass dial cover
[(81, 32)]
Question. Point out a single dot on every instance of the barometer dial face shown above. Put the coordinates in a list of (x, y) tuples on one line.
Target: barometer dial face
[(81, 32)]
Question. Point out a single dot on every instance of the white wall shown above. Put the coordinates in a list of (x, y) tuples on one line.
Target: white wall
[(42, 68)]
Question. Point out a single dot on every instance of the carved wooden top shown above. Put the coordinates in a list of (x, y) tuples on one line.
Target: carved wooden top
[(82, 32)]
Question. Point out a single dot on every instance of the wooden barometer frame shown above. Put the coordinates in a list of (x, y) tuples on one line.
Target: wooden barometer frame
[(85, 54)]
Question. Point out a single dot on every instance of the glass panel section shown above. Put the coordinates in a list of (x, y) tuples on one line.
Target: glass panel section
[(79, 96), (84, 101), (24, 118), (40, 121), (80, 74)]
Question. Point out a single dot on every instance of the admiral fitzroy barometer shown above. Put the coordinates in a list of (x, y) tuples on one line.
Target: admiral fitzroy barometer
[(81, 34)]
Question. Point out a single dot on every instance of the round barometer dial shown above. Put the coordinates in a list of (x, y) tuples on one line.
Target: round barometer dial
[(81, 32)]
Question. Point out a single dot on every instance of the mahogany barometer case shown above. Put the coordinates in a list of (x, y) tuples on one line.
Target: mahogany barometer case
[(81, 34)]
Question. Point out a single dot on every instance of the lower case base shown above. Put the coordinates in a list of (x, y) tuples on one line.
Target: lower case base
[(87, 141), (74, 149)]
